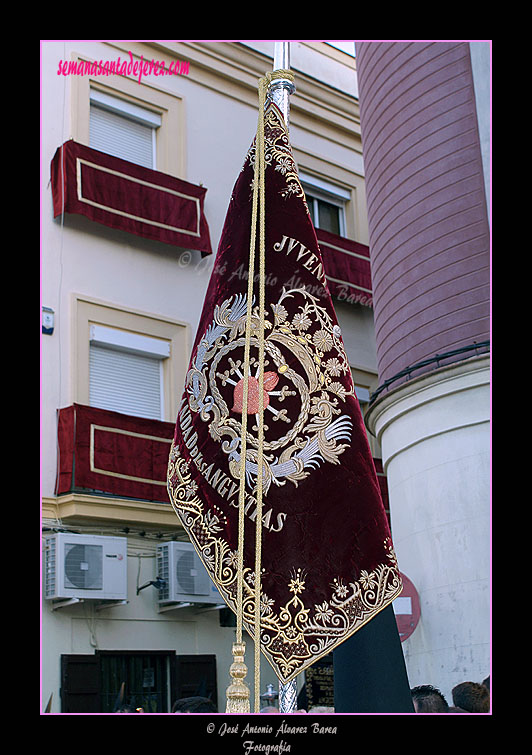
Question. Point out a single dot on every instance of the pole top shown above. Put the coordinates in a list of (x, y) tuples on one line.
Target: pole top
[(281, 88)]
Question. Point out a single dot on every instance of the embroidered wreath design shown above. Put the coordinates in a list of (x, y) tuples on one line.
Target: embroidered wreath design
[(320, 432)]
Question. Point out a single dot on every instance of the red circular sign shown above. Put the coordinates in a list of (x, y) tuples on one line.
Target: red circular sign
[(407, 609)]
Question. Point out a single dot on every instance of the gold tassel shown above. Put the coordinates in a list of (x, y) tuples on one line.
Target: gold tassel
[(238, 691)]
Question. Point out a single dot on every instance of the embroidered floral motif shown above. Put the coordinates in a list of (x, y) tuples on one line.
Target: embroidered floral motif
[(307, 368), (317, 432), (292, 636), (279, 154)]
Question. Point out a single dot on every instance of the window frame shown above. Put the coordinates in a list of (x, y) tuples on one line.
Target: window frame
[(89, 312), (127, 111), (318, 189), (118, 341), (170, 106)]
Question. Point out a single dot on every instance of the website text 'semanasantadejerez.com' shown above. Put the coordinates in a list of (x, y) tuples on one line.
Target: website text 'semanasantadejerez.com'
[(137, 68)]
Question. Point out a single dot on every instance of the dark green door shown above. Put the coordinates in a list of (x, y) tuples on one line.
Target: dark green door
[(145, 677)]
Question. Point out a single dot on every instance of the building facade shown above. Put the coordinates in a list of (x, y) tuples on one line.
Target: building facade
[(141, 144), (128, 127)]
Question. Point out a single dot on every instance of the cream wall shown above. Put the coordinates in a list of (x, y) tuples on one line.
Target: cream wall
[(86, 267), (81, 629)]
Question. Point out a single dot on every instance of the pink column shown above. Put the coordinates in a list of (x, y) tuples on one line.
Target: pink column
[(427, 213)]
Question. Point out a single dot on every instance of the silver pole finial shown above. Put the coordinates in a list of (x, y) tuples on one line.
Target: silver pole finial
[(281, 89)]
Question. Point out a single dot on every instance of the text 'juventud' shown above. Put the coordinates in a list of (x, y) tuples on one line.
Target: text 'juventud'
[(301, 254)]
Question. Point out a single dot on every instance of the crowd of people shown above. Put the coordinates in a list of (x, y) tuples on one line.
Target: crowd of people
[(467, 697)]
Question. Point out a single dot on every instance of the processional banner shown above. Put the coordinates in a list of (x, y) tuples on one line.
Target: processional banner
[(327, 559)]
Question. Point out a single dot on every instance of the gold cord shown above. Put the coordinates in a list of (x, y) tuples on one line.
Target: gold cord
[(263, 86), (236, 693)]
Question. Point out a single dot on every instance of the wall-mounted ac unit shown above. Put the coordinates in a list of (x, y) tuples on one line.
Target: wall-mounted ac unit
[(91, 567), (186, 579)]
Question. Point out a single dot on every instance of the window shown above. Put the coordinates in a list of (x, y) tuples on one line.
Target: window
[(162, 111), (365, 383), (161, 344), (326, 203), (102, 682), (362, 394), (325, 215), (126, 372), (123, 129), (152, 680), (196, 675)]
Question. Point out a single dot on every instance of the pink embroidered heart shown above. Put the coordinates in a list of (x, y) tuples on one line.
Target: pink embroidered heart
[(270, 381)]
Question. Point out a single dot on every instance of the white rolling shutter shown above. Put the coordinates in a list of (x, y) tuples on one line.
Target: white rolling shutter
[(123, 130), (125, 382), (126, 372)]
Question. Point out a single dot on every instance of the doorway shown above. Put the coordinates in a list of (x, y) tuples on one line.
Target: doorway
[(145, 677), (152, 680)]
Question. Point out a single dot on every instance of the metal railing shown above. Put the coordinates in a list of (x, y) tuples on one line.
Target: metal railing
[(436, 360)]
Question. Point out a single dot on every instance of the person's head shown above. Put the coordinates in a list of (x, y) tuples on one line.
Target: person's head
[(428, 699), (126, 709), (194, 705), (472, 697)]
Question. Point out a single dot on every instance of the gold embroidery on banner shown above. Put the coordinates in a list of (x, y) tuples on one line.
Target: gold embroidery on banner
[(278, 153), (304, 360), (316, 435), (292, 636)]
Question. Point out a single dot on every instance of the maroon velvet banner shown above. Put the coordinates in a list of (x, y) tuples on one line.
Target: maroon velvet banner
[(129, 197), (328, 564), (113, 452), (347, 268)]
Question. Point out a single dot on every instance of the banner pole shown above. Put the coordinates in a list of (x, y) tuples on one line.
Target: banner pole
[(287, 696), (280, 91)]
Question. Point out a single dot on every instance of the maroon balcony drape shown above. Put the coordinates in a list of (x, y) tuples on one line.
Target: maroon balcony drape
[(129, 197), (347, 268), (112, 452)]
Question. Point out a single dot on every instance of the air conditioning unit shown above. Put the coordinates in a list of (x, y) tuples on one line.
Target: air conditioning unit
[(91, 567), (186, 579)]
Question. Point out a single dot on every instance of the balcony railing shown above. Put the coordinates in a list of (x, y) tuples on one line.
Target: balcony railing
[(347, 268), (129, 197)]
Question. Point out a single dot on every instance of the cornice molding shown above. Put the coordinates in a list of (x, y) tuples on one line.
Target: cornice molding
[(83, 507), (239, 67)]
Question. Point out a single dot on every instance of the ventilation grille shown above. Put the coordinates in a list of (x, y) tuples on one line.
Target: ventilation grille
[(50, 556), (186, 579), (163, 572), (191, 577)]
